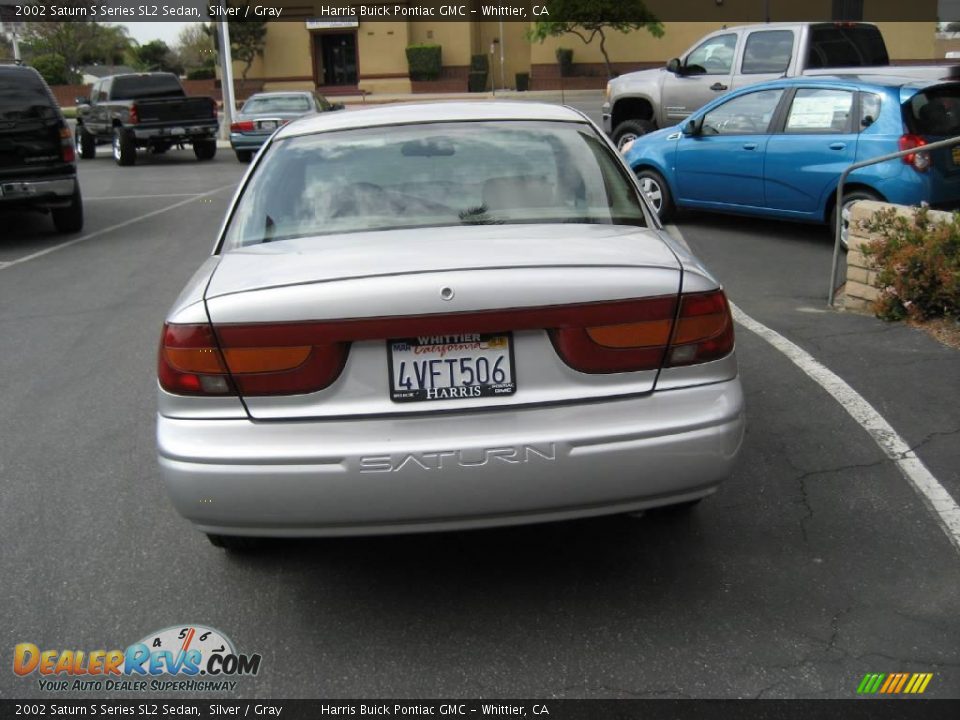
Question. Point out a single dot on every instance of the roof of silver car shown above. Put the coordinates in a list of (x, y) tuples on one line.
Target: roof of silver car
[(405, 114)]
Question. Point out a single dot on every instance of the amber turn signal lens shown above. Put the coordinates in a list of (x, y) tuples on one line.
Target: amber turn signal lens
[(268, 359), (631, 335)]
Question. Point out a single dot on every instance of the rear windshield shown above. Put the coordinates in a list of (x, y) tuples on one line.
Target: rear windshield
[(278, 104), (935, 111), (132, 87), (23, 96), (434, 175), (833, 46)]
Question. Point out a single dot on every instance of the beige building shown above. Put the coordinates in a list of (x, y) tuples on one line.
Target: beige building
[(344, 55)]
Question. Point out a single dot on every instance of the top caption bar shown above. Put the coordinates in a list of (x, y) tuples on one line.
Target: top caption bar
[(348, 13)]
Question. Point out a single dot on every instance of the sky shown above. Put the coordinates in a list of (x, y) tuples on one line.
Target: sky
[(144, 32)]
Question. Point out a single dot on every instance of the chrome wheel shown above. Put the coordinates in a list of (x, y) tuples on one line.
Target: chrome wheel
[(651, 188)]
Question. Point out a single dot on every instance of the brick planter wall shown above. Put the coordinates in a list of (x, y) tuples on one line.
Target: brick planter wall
[(860, 290)]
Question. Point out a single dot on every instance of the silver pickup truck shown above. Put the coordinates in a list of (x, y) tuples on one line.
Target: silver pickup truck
[(639, 102)]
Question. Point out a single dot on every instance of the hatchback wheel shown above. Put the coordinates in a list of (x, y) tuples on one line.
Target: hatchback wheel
[(657, 192), (848, 200)]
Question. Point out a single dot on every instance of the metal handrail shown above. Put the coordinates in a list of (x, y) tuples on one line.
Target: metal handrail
[(838, 228)]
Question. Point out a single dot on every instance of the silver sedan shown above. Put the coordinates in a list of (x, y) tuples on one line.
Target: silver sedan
[(442, 316), (263, 113)]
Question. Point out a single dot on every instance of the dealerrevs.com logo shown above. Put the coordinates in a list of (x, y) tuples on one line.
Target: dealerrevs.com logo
[(178, 658)]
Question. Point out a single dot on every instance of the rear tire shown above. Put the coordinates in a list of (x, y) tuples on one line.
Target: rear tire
[(244, 156), (69, 219), (657, 192), (234, 543), (630, 130), (87, 144), (848, 199), (205, 149), (124, 147)]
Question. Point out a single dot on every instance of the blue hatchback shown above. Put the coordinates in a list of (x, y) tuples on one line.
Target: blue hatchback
[(776, 149)]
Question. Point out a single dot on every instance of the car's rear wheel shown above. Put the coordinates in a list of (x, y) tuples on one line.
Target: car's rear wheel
[(69, 219), (849, 199), (244, 156), (234, 543), (87, 144), (124, 147), (657, 192), (630, 130), (205, 149)]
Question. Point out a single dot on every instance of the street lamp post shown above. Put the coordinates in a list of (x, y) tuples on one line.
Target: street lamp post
[(226, 77)]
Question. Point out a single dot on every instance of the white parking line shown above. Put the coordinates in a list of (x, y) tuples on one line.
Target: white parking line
[(140, 197), (931, 492), (111, 228)]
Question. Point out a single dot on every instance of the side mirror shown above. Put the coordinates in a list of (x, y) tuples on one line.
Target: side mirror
[(673, 66), (81, 100), (691, 128)]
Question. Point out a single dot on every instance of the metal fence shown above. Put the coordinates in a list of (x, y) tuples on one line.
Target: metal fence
[(838, 228)]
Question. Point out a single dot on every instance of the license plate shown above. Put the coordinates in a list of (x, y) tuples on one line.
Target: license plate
[(451, 367), (267, 124), (955, 151)]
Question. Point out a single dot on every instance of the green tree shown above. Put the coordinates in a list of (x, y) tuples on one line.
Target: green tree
[(588, 19), (156, 55), (52, 67), (247, 37), (195, 49), (74, 41)]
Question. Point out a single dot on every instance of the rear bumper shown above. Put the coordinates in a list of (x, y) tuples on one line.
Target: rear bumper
[(239, 141), (451, 471), (187, 131), (37, 191)]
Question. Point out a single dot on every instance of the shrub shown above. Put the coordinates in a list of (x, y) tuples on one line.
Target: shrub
[(565, 59), (204, 73), (424, 62), (52, 67), (479, 63), (477, 81), (523, 82), (918, 265)]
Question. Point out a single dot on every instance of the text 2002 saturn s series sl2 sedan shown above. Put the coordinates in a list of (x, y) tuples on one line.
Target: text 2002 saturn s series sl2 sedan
[(443, 316)]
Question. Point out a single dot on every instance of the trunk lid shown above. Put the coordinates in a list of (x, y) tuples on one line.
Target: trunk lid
[(424, 272)]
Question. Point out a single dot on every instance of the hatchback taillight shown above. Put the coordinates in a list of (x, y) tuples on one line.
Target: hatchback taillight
[(919, 161), (242, 126)]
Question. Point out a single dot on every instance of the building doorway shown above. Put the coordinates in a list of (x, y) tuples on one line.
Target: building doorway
[(336, 58)]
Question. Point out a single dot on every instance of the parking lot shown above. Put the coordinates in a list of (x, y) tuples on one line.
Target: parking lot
[(817, 563)]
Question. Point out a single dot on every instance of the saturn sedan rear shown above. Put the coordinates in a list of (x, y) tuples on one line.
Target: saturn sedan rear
[(437, 317)]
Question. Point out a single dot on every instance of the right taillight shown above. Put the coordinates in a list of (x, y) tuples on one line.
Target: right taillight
[(704, 330), (919, 161)]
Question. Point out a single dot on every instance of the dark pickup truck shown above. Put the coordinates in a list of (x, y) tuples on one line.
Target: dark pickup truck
[(145, 110)]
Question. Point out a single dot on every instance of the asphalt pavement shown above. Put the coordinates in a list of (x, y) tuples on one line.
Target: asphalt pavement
[(815, 564)]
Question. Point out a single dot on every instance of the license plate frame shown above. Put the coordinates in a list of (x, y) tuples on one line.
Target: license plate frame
[(449, 367)]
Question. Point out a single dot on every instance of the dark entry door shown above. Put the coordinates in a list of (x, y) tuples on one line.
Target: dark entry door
[(337, 57)]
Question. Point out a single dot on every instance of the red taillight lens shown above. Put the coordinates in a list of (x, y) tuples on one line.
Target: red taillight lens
[(704, 330), (134, 114), (919, 161), (243, 126), (67, 150), (250, 359)]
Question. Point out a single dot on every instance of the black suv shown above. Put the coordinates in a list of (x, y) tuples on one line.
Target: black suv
[(38, 167)]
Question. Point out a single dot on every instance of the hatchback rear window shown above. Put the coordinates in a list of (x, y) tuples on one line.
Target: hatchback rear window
[(434, 175), (935, 111), (280, 103), (23, 96), (833, 46), (133, 87)]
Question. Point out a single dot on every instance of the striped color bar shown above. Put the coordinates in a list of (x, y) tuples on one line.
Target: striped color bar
[(894, 683)]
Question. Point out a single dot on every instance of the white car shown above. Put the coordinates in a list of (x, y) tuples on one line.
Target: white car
[(442, 316)]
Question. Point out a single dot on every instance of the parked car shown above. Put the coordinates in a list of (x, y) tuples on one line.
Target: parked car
[(38, 168), (263, 113), (777, 149), (732, 58), (145, 110), (440, 316)]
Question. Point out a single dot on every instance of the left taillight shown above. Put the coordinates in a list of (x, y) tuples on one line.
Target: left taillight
[(68, 152), (246, 359)]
